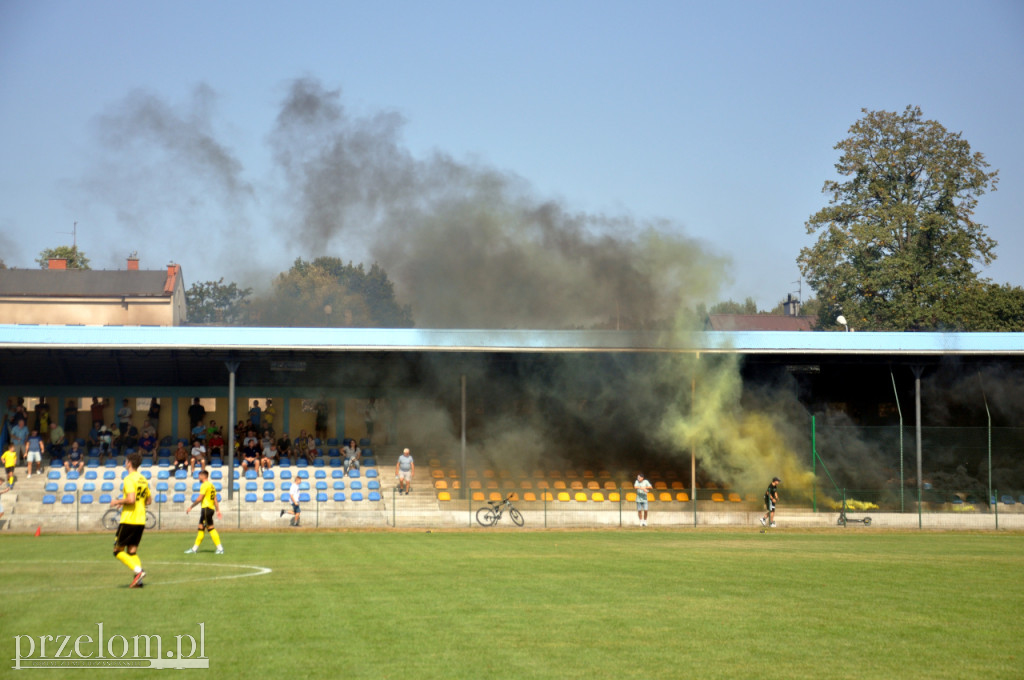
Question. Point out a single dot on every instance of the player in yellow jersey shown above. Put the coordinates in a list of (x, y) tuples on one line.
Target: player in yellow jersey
[(208, 505), (135, 497), (10, 460)]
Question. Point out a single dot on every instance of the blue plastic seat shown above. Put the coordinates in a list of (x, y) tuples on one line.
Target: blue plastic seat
[(321, 497), (339, 497), (335, 462), (285, 486), (90, 474), (367, 453), (216, 474), (321, 474), (354, 473), (160, 498), (302, 462), (251, 474), (196, 486), (332, 441), (49, 499), (303, 497), (146, 473), (268, 474), (268, 498), (51, 487), (333, 453), (364, 442), (286, 474), (107, 486), (304, 486), (357, 496), (373, 485), (67, 499), (163, 474), (370, 474), (73, 474), (339, 486), (88, 487), (110, 463), (268, 486), (355, 485), (180, 487), (164, 452), (250, 498), (321, 486), (71, 487), (105, 499), (369, 462), (178, 498), (53, 474), (92, 462), (218, 486), (286, 498), (109, 474), (252, 486), (337, 474), (318, 462), (303, 474), (86, 499), (1007, 499), (181, 474), (374, 496)]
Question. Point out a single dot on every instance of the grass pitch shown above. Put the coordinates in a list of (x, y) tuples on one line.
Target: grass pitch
[(546, 604)]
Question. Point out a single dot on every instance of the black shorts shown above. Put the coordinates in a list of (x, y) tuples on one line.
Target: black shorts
[(769, 505), (206, 517), (129, 535)]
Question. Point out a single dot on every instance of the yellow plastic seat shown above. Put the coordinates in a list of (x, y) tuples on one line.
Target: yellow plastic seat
[(526, 485), (559, 484), (683, 497), (475, 484), (563, 496), (444, 496), (489, 474), (492, 484), (665, 496), (614, 497), (580, 496), (437, 474), (677, 486), (631, 497), (735, 498), (593, 485), (597, 497), (478, 496), (660, 486), (440, 484), (543, 484), (610, 486), (495, 496), (588, 474), (529, 496), (576, 485), (717, 497), (546, 496)]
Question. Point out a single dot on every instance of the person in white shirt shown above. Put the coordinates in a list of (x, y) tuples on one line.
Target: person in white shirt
[(642, 487), (293, 496)]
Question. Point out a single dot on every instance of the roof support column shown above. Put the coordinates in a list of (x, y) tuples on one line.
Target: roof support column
[(232, 369)]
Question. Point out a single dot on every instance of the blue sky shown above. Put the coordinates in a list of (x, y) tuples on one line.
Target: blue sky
[(716, 121)]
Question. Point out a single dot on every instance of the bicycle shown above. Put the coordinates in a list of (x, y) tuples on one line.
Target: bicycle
[(490, 515), (112, 517)]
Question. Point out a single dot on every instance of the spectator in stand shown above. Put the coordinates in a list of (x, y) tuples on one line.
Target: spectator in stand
[(130, 440), (270, 454), (96, 410), (19, 435), (106, 441), (405, 468), (266, 440), (311, 450), (199, 432), (124, 418), (211, 429), (196, 413), (42, 415), (71, 419), (352, 454), (181, 456), (301, 443), (256, 415), (198, 457), (215, 443), (34, 449), (93, 438), (75, 460), (284, 447), (269, 413), (148, 430), (148, 445), (250, 454), (153, 414), (57, 442)]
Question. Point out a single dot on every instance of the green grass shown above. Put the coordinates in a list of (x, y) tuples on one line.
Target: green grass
[(580, 604)]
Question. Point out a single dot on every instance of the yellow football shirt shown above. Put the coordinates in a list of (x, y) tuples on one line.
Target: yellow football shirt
[(208, 494), (136, 512), (10, 458)]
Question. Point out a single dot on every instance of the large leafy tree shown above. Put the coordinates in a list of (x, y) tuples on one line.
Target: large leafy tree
[(328, 292), (214, 302), (75, 257), (897, 245)]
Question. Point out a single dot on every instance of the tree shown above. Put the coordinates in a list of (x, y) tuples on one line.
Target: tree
[(213, 302), (75, 257), (730, 306), (327, 292), (897, 243)]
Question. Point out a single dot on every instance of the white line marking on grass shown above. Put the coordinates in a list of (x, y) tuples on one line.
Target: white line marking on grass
[(255, 571)]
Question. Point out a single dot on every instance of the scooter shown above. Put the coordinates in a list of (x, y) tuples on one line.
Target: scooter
[(844, 520)]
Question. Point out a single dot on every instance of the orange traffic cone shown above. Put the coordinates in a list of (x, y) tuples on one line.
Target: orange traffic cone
[(39, 530)]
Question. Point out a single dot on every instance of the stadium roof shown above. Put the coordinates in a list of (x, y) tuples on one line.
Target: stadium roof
[(242, 340)]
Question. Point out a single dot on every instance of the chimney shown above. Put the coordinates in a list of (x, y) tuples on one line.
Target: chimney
[(791, 306), (58, 263), (133, 264)]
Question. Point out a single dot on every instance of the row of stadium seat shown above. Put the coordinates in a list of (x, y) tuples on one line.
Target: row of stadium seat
[(72, 475), (92, 462), (557, 485), (267, 497), (578, 496)]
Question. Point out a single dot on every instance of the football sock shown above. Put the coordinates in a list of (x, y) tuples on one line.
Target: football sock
[(199, 538), (125, 559), (215, 536)]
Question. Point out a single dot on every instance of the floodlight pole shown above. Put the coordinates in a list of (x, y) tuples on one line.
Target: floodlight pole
[(900, 411), (917, 413), (989, 414), (232, 369)]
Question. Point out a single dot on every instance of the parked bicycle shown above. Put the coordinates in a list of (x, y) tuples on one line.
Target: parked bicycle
[(112, 517), (490, 515)]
